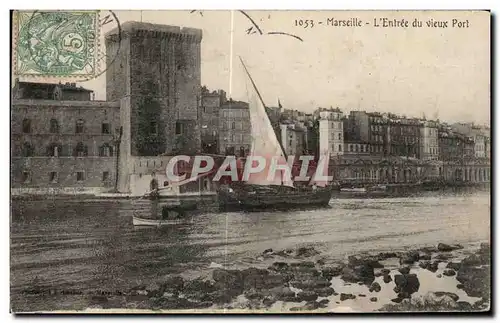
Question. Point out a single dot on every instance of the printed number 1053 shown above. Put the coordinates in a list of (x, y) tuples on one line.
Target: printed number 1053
[(305, 23)]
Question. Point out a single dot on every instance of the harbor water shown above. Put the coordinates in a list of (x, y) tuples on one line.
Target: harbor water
[(86, 246)]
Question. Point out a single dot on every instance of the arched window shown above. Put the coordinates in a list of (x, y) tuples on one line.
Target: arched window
[(54, 126), (27, 150), (106, 150), (80, 126), (26, 125), (54, 150), (80, 150)]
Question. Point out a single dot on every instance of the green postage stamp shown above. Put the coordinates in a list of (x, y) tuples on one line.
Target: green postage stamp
[(56, 44)]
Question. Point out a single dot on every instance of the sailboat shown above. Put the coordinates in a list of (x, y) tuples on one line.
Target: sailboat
[(259, 191)]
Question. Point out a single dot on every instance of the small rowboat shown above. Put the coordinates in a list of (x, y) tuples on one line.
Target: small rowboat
[(156, 222)]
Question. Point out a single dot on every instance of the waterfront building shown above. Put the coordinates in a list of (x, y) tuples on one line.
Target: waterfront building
[(331, 132), (404, 136), (61, 140), (234, 128), (429, 143), (293, 138), (209, 119)]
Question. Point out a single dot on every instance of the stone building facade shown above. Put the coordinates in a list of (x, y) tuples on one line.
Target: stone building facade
[(293, 139), (429, 142), (63, 145), (234, 128), (158, 68), (209, 119)]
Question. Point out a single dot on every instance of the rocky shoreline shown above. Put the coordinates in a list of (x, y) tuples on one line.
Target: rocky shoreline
[(441, 278)]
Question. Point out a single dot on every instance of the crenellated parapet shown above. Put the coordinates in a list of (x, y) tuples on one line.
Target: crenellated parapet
[(147, 30)]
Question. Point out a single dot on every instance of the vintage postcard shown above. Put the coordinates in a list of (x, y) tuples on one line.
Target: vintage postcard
[(243, 161)]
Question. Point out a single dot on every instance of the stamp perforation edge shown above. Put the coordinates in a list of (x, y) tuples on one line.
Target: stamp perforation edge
[(82, 77)]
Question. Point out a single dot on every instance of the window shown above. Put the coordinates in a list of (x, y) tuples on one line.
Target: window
[(53, 177), (106, 151), (340, 147), (26, 177), (27, 126), (80, 176), (81, 150), (106, 128), (27, 150), (350, 148), (54, 126), (105, 176), (233, 125), (153, 127), (291, 143), (178, 128), (340, 136), (80, 125), (54, 150)]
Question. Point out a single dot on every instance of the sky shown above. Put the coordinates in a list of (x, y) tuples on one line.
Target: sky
[(436, 72)]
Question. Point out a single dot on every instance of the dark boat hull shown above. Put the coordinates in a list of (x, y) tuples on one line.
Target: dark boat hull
[(274, 200)]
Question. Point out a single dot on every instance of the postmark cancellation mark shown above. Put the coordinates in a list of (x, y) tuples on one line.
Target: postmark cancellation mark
[(56, 43)]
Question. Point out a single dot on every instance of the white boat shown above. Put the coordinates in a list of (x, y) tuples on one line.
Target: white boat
[(354, 190), (156, 222)]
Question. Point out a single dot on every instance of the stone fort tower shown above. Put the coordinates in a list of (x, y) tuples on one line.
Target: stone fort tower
[(156, 74)]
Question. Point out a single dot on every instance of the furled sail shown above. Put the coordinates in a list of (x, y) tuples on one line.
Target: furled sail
[(264, 143)]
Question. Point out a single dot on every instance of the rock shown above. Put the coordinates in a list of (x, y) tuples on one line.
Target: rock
[(279, 266), (153, 289), (361, 295), (229, 281), (473, 260), (268, 251), (404, 270), (198, 285), (332, 271), (344, 296), (439, 275), (433, 266), (409, 258), (454, 265), (308, 264), (172, 284), (378, 274), (324, 302), (475, 280), (386, 255), (460, 286), (425, 256), (464, 306), (443, 256), (424, 264), (99, 299), (440, 299), (362, 273), (354, 261), (447, 247), (320, 262), (268, 301), (309, 306), (428, 250), (219, 297), (283, 294), (407, 283), (375, 287), (385, 271), (310, 283), (325, 292), (452, 295), (449, 272), (387, 279), (306, 296), (254, 294), (306, 252), (373, 299), (397, 300), (284, 253)]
